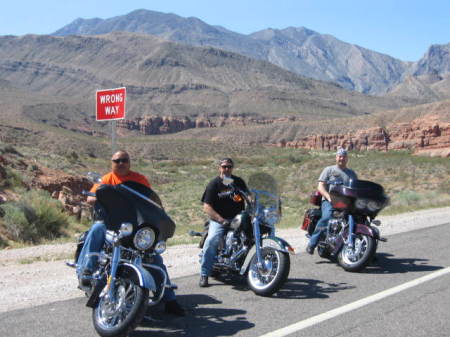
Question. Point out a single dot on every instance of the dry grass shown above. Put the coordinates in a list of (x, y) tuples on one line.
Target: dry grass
[(179, 169)]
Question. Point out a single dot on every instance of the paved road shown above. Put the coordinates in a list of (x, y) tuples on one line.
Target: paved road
[(315, 286)]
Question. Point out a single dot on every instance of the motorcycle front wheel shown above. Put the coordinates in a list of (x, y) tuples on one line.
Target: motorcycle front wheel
[(357, 257), (118, 317), (266, 281)]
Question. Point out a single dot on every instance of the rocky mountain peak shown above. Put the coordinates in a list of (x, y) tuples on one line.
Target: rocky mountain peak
[(435, 61)]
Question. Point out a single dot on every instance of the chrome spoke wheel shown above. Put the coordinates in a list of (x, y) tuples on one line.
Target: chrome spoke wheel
[(357, 257), (268, 278), (261, 276), (353, 254), (111, 313)]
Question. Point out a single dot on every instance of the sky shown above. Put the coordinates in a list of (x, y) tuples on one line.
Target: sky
[(403, 29)]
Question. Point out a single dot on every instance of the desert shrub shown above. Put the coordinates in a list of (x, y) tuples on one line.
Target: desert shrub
[(19, 222), (9, 149), (13, 179), (34, 217)]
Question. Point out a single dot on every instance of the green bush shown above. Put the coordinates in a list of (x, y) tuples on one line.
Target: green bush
[(36, 216), (13, 179)]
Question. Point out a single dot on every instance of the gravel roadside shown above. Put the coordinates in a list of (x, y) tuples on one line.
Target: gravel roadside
[(24, 283)]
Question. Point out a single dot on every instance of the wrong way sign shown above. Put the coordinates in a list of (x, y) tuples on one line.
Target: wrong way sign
[(110, 104)]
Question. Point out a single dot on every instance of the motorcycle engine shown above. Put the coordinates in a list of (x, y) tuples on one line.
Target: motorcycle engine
[(334, 228), (231, 242)]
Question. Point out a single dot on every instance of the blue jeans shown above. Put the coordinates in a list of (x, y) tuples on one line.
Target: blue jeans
[(94, 243), (215, 232), (322, 224)]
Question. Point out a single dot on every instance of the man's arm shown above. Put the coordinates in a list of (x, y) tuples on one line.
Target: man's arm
[(322, 187), (207, 208), (91, 200)]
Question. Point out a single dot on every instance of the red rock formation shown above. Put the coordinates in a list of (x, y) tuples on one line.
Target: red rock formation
[(425, 135), (154, 125)]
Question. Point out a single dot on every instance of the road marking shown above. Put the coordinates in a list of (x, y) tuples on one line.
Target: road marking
[(355, 305)]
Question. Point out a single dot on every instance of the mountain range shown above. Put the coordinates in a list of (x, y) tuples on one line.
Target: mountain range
[(166, 78), (299, 50), (49, 81)]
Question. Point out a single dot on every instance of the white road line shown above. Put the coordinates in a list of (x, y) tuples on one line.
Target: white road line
[(355, 305)]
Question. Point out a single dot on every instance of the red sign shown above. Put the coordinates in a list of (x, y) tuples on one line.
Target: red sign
[(111, 104)]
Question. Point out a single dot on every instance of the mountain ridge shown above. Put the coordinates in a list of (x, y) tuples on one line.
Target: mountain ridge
[(297, 49)]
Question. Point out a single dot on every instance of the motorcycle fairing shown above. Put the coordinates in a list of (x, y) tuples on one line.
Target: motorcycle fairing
[(359, 229), (137, 274), (119, 206), (273, 242)]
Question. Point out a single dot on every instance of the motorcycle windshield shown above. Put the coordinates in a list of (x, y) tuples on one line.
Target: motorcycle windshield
[(120, 205), (265, 192)]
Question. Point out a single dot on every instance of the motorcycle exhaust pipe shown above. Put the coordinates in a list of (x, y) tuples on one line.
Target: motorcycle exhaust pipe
[(238, 254)]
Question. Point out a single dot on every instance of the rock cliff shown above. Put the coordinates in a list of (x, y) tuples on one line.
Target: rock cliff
[(427, 135), (155, 125)]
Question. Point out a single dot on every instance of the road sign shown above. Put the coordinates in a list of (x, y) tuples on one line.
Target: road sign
[(110, 104)]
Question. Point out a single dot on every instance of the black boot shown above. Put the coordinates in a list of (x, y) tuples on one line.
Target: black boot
[(310, 249), (203, 281)]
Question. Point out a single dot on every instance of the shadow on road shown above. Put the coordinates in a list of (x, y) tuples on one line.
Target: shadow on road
[(309, 288), (200, 320), (386, 264)]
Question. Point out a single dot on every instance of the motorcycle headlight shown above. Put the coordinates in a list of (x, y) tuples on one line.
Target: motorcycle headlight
[(144, 238), (361, 203), (373, 205), (160, 247), (271, 216)]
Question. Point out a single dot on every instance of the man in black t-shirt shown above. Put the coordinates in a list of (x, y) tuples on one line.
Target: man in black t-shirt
[(221, 210)]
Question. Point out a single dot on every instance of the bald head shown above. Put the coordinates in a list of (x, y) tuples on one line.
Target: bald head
[(120, 163)]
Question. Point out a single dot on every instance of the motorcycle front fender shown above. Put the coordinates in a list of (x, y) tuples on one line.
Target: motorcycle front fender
[(359, 229), (137, 274), (274, 242), (130, 271)]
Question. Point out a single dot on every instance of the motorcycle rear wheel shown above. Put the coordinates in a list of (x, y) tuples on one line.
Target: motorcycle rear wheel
[(266, 282), (119, 318), (359, 257)]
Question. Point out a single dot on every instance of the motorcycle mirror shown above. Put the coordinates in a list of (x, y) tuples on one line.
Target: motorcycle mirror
[(227, 181), (94, 177)]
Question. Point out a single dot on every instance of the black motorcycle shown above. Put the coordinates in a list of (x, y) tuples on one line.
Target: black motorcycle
[(126, 281), (352, 235), (250, 246)]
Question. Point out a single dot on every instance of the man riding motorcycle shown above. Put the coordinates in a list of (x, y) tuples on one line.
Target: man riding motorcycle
[(220, 210), (120, 173), (338, 173)]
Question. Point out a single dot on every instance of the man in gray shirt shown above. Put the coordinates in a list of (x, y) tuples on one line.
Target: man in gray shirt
[(335, 174)]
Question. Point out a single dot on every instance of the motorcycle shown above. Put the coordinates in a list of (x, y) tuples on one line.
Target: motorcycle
[(249, 247), (126, 281), (352, 234)]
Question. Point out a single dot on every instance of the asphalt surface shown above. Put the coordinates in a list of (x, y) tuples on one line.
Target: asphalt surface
[(315, 286)]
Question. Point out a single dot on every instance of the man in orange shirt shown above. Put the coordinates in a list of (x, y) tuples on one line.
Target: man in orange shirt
[(120, 173)]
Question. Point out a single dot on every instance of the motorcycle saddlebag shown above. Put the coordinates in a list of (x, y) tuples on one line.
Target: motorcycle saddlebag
[(310, 219)]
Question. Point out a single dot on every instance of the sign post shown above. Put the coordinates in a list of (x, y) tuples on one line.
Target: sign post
[(110, 106)]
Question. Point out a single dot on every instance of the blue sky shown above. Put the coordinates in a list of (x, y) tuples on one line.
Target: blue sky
[(400, 28)]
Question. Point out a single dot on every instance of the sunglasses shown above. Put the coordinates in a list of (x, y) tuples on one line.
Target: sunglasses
[(120, 160), (226, 167)]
